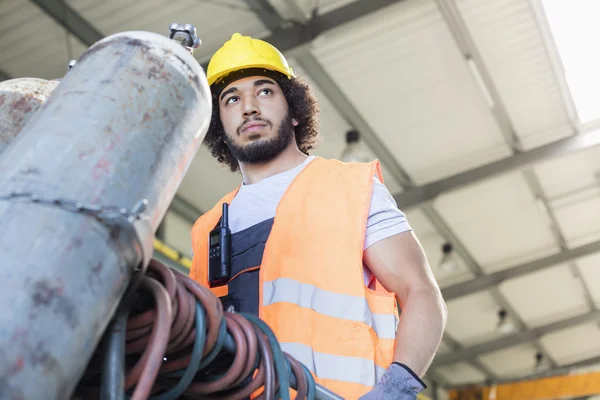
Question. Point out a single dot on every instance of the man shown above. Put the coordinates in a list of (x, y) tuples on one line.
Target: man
[(319, 249)]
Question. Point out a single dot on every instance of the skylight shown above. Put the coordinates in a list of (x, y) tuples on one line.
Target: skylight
[(576, 31)]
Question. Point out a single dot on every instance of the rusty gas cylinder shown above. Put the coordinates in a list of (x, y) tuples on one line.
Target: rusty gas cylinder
[(20, 98)]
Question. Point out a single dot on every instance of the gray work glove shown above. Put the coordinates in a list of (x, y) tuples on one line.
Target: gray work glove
[(397, 383)]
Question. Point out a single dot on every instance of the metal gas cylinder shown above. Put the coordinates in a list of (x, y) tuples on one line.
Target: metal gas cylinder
[(19, 100), (123, 125)]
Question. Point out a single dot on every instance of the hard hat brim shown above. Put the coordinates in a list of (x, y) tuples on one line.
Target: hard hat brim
[(237, 74), (223, 75)]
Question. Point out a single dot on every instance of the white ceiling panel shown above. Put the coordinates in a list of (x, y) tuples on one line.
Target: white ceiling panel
[(509, 40), (589, 267), (215, 21), (534, 296), (473, 319), (25, 52), (416, 90), (567, 174), (499, 221), (511, 362), (333, 128), (574, 344), (461, 374), (579, 222)]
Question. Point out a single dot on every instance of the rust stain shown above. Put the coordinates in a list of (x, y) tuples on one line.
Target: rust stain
[(22, 104), (193, 76), (2, 98), (74, 244), (144, 47), (43, 293), (19, 363), (154, 72), (146, 117), (46, 294), (102, 167), (97, 268)]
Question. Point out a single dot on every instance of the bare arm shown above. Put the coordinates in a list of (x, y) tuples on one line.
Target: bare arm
[(399, 263)]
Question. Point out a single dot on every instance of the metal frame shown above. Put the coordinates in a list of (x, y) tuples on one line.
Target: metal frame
[(70, 19), (457, 26), (496, 278), (430, 191), (294, 36), (514, 339)]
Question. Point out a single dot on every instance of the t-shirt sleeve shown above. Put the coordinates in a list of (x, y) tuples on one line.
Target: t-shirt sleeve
[(385, 219)]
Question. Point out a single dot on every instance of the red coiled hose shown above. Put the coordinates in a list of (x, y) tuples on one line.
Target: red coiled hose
[(160, 337)]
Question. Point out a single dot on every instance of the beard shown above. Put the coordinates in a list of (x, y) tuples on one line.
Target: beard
[(262, 150)]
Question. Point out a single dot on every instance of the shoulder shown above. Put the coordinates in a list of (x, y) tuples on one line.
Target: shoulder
[(382, 198), (385, 218)]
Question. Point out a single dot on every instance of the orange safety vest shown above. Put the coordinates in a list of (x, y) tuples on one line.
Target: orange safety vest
[(312, 292)]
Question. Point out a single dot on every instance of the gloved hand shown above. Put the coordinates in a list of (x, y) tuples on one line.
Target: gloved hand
[(397, 383)]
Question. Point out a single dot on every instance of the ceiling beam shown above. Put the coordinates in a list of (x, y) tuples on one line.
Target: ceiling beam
[(494, 279), (572, 144), (70, 19), (185, 209), (297, 35), (473, 352), (466, 45), (464, 41), (266, 13)]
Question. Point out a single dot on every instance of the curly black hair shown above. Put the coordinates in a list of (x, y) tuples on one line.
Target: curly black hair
[(303, 106)]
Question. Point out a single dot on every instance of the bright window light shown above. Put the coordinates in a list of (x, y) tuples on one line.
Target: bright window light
[(575, 28)]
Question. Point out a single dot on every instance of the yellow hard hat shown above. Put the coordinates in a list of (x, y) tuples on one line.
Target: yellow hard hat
[(243, 52)]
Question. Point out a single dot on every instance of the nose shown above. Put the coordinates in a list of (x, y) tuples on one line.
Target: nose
[(250, 108)]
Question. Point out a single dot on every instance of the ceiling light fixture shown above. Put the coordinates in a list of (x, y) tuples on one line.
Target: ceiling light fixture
[(449, 262), (353, 151), (539, 362), (505, 325)]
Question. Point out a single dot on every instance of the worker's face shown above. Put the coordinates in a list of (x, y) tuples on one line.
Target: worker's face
[(256, 120)]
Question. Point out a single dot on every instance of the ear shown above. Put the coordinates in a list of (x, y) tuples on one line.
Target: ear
[(294, 122)]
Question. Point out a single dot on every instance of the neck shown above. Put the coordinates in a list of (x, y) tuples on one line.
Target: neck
[(288, 159)]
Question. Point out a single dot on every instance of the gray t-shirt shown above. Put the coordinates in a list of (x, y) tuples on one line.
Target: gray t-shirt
[(258, 202)]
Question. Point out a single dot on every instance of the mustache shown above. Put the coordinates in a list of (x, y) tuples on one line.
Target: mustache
[(253, 119)]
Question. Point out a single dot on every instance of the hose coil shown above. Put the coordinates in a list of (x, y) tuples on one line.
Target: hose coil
[(179, 343)]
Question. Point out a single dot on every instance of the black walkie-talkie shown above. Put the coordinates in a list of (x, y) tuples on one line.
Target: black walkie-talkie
[(219, 252)]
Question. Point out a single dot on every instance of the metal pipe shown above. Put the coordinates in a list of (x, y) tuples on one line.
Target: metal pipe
[(19, 99), (123, 125)]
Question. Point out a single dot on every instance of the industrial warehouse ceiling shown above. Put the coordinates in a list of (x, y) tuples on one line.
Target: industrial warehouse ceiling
[(484, 114)]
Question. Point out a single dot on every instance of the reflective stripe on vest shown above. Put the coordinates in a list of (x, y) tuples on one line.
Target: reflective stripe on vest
[(337, 305), (340, 368)]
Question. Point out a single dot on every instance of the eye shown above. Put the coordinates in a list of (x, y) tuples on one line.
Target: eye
[(231, 99), (265, 91)]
